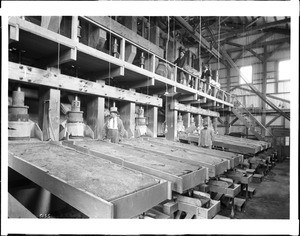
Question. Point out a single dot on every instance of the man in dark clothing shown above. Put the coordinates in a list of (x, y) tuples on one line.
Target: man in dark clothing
[(180, 62), (205, 78)]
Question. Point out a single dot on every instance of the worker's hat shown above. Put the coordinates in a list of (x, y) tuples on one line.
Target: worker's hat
[(114, 110)]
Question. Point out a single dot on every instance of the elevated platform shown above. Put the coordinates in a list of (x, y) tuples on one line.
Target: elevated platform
[(97, 63), (182, 176), (92, 185)]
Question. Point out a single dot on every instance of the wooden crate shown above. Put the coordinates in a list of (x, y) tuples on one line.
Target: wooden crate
[(230, 192)]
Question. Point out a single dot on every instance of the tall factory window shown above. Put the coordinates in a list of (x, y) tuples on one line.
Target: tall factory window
[(284, 76), (284, 70), (287, 141), (246, 71)]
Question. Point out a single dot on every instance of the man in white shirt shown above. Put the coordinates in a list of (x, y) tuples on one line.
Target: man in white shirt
[(206, 136), (114, 128)]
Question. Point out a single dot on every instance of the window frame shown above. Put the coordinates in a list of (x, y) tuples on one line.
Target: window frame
[(278, 78), (241, 81)]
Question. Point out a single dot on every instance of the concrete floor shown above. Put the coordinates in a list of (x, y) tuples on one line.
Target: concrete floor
[(272, 197)]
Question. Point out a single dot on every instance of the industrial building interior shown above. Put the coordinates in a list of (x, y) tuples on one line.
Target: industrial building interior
[(69, 77)]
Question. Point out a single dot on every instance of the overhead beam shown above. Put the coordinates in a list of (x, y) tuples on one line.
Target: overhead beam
[(249, 47), (241, 32), (279, 31), (260, 44), (34, 76), (256, 55), (195, 110)]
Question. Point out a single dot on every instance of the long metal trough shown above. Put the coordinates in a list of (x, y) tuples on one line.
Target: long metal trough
[(96, 187), (182, 176), (234, 158), (216, 166), (238, 146)]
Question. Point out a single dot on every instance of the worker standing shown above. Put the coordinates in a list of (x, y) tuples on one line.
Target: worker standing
[(180, 62), (114, 128), (206, 137), (205, 78)]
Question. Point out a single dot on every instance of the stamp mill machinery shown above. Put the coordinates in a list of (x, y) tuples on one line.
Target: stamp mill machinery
[(101, 63)]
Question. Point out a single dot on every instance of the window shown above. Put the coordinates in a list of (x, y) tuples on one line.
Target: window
[(246, 71), (287, 141), (284, 70)]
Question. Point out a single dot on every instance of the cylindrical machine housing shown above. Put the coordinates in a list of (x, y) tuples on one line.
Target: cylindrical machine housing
[(17, 117), (140, 120), (19, 130), (18, 98), (17, 111), (75, 130), (75, 117)]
